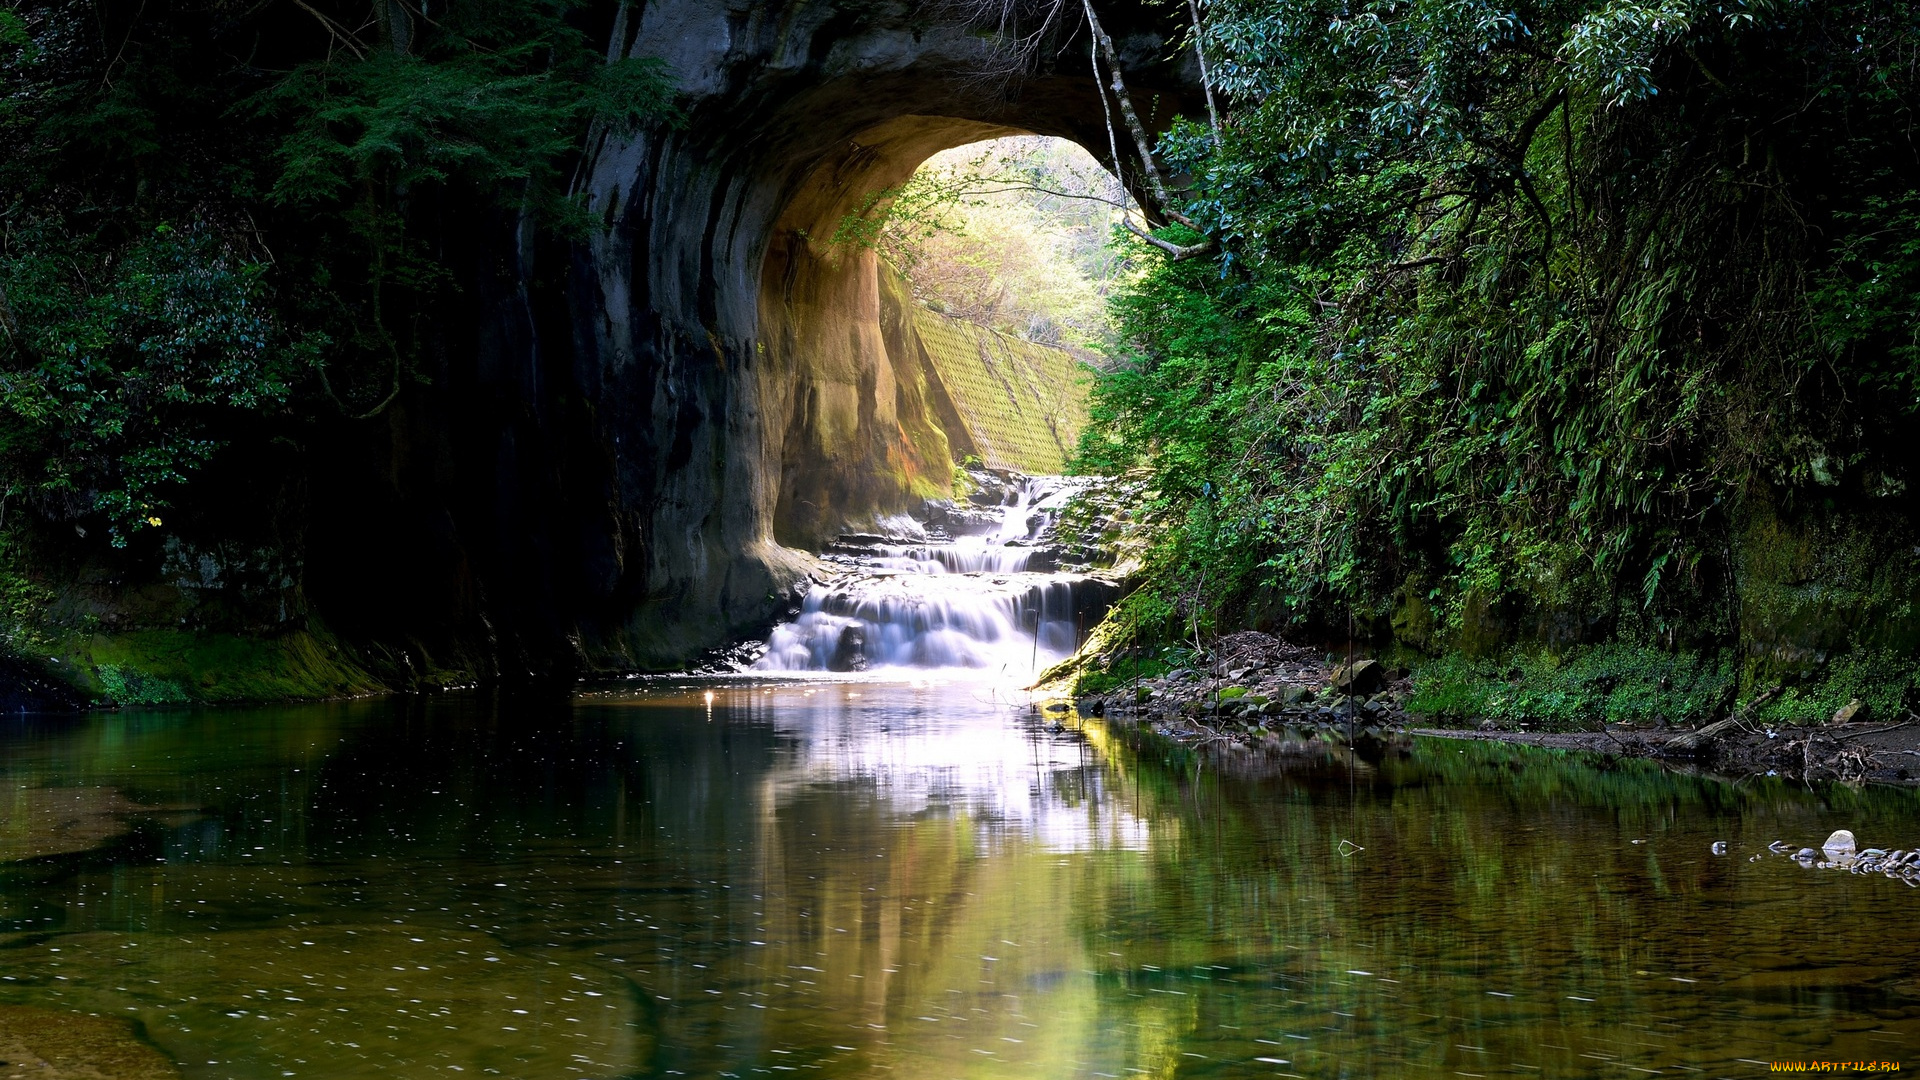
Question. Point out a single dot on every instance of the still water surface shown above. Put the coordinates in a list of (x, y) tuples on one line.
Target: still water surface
[(918, 881)]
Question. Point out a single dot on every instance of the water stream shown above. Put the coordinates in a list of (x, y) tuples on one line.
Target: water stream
[(984, 601), (912, 872), (746, 877)]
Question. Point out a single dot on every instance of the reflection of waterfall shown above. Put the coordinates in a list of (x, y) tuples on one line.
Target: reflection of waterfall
[(967, 602)]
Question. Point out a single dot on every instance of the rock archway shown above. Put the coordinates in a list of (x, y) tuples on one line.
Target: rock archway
[(708, 382)]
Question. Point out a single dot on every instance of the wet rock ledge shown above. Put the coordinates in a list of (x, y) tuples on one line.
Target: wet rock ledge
[(1255, 691), (1254, 683)]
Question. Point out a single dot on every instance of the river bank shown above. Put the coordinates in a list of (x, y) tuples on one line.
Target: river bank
[(1258, 693)]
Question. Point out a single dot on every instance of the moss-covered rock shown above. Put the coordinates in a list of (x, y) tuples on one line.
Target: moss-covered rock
[(163, 667)]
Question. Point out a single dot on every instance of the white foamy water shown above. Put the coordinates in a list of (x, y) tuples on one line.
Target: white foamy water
[(970, 603)]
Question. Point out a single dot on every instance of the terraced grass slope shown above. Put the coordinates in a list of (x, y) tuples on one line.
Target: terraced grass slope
[(1019, 405)]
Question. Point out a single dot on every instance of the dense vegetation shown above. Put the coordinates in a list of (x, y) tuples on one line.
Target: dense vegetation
[(218, 218), (1517, 319)]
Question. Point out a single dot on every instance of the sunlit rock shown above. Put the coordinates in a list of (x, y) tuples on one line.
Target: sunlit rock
[(1839, 846)]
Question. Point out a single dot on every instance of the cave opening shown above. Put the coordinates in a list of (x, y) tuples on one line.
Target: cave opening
[(1012, 234), (935, 297), (987, 269)]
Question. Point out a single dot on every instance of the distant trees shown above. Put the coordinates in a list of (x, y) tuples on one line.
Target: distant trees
[(1013, 233)]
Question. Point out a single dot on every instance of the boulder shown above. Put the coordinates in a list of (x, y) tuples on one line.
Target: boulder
[(1839, 846), (1360, 677), (850, 652)]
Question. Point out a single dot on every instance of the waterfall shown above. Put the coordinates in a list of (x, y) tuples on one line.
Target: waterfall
[(972, 602)]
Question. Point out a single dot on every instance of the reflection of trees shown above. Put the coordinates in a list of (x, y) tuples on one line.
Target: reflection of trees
[(769, 895), (1486, 871)]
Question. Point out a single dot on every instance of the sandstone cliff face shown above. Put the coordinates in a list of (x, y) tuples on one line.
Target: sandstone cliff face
[(653, 420)]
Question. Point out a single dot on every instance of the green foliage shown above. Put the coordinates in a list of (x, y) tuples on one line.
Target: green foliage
[(119, 372), (1129, 667), (213, 217), (1512, 308), (1885, 682), (1009, 233), (1613, 683), (493, 102), (122, 686), (23, 603), (499, 110)]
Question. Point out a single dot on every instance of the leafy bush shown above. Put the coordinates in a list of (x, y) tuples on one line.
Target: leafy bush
[(125, 686), (1512, 309), (118, 372)]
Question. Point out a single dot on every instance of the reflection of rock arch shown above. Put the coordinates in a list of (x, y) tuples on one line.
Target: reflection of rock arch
[(603, 489)]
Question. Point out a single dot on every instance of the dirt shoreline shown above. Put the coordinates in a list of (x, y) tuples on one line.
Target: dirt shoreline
[(1259, 693)]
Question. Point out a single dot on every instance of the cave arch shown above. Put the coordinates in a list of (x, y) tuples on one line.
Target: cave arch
[(759, 363), (654, 413)]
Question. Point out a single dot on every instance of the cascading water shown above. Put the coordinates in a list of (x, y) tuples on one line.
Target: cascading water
[(979, 602)]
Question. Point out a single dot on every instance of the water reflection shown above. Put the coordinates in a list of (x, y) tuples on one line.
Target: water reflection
[(741, 879)]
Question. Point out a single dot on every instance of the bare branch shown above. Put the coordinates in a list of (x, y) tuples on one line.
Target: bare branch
[(1106, 108), (1176, 252), (339, 32)]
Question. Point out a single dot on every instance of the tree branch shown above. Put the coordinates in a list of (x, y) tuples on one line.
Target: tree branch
[(1142, 143), (1176, 252), (332, 28), (1206, 78)]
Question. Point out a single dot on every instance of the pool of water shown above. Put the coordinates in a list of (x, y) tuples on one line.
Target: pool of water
[(918, 880)]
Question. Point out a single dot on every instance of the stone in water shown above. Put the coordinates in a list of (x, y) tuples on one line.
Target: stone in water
[(1839, 845)]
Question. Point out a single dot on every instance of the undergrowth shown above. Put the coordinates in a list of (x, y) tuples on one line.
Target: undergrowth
[(1578, 690)]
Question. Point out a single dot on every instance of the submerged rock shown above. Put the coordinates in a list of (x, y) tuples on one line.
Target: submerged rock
[(54, 1045)]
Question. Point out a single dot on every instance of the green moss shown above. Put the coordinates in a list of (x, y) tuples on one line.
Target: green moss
[(158, 667), (1884, 681), (1823, 583), (1231, 692), (1126, 669)]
